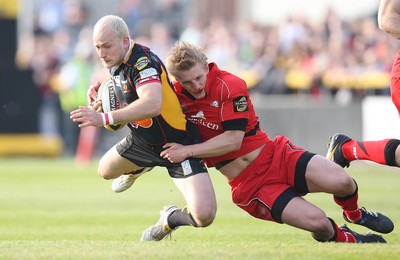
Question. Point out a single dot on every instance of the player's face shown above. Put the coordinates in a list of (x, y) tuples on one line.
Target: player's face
[(110, 49), (194, 80)]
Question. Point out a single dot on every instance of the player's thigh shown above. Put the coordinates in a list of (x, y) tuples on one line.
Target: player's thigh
[(198, 192), (113, 165), (323, 175)]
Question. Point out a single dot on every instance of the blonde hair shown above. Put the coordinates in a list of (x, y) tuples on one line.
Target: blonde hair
[(183, 56), (113, 23)]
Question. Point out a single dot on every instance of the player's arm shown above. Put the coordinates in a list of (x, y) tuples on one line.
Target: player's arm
[(224, 143), (389, 17), (147, 105), (229, 141)]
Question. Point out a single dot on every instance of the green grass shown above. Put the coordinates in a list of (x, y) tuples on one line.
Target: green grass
[(55, 209)]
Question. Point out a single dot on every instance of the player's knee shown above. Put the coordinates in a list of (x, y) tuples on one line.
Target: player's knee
[(204, 217), (103, 174), (321, 229), (103, 170), (345, 185)]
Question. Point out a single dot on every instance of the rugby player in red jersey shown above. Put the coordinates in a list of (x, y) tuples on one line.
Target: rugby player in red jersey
[(268, 177)]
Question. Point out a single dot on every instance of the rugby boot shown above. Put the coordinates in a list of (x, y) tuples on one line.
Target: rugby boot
[(161, 229), (335, 153), (367, 238), (374, 221), (125, 181)]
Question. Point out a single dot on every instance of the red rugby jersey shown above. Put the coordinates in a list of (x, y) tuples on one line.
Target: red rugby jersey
[(225, 107)]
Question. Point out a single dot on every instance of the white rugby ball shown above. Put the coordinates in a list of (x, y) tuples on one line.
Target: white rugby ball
[(109, 102)]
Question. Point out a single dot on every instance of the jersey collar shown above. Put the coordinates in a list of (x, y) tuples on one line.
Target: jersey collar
[(129, 52)]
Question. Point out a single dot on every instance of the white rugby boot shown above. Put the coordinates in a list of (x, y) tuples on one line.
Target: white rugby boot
[(125, 181), (161, 229)]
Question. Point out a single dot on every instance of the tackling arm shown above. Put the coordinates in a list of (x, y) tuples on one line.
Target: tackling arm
[(227, 142)]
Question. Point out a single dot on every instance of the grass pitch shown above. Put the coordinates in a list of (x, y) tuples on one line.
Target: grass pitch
[(54, 209)]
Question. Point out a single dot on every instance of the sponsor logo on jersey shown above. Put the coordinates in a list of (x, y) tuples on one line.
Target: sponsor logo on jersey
[(214, 103), (240, 104), (141, 63), (148, 73), (200, 119), (199, 114), (145, 123)]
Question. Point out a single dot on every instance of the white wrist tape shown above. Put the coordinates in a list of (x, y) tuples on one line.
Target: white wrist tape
[(107, 118)]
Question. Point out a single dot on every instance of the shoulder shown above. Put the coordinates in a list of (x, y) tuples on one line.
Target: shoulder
[(225, 79), (142, 57), (231, 85)]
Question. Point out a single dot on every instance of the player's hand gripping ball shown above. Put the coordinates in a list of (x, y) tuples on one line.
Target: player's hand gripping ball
[(109, 102)]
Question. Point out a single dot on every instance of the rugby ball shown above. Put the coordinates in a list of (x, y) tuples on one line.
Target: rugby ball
[(109, 101)]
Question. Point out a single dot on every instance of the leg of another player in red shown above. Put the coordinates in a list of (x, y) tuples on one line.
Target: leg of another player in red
[(342, 150)]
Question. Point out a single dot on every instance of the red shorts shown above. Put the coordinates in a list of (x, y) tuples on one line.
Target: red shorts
[(395, 82), (275, 177)]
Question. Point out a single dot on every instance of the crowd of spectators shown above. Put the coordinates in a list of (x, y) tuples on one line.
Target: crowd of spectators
[(294, 56)]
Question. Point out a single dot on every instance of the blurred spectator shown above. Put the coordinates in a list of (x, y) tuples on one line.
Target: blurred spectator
[(192, 32), (45, 65), (160, 39), (71, 83), (50, 15), (74, 17), (137, 14), (171, 14)]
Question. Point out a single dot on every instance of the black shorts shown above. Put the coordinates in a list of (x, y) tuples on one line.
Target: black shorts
[(141, 154)]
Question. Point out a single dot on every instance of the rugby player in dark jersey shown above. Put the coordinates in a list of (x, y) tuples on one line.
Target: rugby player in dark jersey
[(152, 111), (268, 177)]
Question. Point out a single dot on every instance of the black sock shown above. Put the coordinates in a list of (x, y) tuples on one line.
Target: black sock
[(181, 217)]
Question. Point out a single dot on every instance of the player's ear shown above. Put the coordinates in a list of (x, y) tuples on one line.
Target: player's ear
[(206, 69), (126, 40)]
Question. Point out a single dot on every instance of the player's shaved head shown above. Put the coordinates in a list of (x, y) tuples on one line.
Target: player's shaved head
[(112, 23)]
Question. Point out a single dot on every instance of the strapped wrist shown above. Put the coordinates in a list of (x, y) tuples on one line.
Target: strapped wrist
[(107, 118)]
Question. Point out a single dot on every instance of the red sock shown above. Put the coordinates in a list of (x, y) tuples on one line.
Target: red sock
[(350, 206), (344, 237), (340, 235), (365, 150)]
